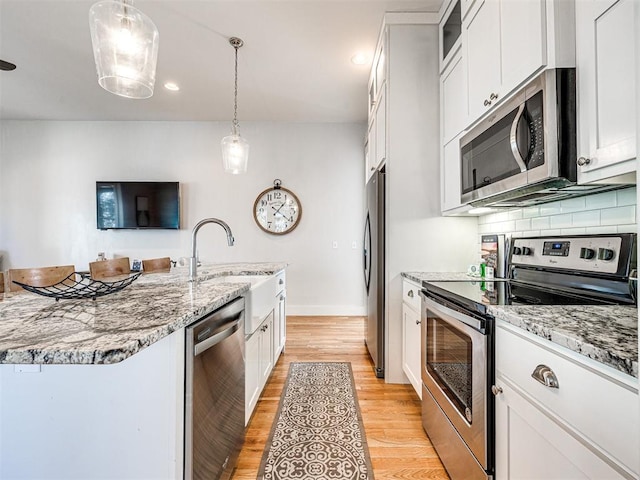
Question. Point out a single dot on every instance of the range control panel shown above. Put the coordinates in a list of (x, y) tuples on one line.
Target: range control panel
[(591, 254)]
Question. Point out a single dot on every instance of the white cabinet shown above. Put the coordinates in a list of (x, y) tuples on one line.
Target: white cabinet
[(568, 432), (506, 42), (607, 88), (450, 176), (453, 98), (258, 363), (280, 319), (376, 144), (481, 36), (411, 334)]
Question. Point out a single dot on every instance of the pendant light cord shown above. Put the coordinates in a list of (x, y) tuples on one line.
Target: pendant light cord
[(235, 92)]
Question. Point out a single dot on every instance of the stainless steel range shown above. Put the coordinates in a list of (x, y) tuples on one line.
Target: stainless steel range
[(458, 342)]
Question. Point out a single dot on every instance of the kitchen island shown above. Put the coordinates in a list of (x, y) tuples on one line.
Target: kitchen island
[(95, 388)]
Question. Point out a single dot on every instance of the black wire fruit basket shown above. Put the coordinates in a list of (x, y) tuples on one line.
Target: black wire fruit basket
[(86, 287)]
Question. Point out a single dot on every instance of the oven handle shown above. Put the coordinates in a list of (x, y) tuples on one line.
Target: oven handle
[(472, 322), (513, 140)]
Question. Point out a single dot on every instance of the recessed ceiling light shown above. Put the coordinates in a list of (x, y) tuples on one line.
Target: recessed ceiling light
[(172, 86), (359, 59)]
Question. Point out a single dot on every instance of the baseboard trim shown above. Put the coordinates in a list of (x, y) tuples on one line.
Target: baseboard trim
[(326, 310)]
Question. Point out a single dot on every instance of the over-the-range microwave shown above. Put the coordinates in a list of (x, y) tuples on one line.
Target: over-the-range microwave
[(524, 153)]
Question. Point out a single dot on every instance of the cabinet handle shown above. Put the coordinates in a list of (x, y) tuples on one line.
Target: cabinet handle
[(582, 161), (487, 103), (281, 297), (545, 376), (281, 281), (410, 294), (496, 390), (418, 322), (372, 168), (493, 96)]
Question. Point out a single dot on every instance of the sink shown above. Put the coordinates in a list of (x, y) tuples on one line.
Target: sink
[(259, 300)]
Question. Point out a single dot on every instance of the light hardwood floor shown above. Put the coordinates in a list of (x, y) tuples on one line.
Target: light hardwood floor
[(398, 446)]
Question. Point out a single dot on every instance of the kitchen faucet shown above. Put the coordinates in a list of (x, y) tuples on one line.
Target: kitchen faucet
[(193, 260)]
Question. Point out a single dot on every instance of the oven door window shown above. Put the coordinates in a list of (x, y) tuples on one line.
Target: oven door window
[(449, 362)]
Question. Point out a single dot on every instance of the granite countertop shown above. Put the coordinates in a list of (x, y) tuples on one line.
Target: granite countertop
[(38, 330), (607, 334), (420, 277)]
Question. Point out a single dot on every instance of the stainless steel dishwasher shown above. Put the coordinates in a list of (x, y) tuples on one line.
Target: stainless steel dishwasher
[(214, 393)]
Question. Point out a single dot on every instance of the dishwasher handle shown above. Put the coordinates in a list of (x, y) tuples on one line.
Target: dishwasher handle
[(216, 327)]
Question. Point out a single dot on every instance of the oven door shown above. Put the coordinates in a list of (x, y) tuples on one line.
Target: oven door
[(454, 370)]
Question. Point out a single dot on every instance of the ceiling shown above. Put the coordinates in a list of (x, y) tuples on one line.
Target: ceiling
[(294, 66)]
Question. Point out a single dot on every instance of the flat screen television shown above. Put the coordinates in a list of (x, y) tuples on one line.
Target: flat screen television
[(138, 205)]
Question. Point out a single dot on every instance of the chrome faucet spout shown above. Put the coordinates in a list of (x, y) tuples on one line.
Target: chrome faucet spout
[(193, 260)]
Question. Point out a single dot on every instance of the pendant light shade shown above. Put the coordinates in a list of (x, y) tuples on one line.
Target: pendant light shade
[(235, 149), (125, 48)]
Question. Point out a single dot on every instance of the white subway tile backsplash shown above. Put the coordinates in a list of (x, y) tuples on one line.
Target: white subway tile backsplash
[(540, 223), (600, 200), (601, 230), (626, 196), (530, 212), (633, 228), (573, 231), (618, 215), (560, 221), (515, 214), (524, 224), (608, 212), (572, 204), (552, 208), (587, 218)]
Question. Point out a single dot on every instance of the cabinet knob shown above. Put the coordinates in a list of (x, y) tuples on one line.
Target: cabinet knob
[(281, 297), (496, 390), (582, 161), (281, 281), (418, 322), (487, 103), (410, 294), (493, 96), (545, 376)]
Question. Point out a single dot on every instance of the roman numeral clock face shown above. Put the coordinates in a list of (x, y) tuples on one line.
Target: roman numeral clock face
[(277, 210)]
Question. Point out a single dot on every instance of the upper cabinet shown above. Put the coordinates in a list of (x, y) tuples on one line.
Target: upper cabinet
[(376, 144), (505, 43), (606, 73)]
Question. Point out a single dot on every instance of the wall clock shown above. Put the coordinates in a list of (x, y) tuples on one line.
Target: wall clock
[(277, 210)]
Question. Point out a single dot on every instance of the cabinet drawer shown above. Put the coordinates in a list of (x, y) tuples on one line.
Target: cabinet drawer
[(411, 294), (603, 409)]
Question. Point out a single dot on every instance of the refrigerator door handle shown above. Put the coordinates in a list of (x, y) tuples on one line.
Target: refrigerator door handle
[(366, 252)]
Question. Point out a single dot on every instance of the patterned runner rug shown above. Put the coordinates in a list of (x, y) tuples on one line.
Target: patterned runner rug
[(317, 433)]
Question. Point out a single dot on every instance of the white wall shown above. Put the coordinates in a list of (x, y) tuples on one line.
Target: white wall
[(47, 198)]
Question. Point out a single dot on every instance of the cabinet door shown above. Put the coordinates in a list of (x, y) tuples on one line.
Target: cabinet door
[(607, 88), (529, 444), (454, 98), (279, 326), (411, 346), (370, 150), (482, 40), (252, 374), (266, 349), (450, 172), (381, 128), (523, 40)]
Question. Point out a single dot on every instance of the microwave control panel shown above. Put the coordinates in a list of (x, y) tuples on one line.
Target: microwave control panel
[(590, 254)]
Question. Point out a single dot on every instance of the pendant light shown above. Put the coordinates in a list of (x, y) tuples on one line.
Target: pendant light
[(125, 48), (235, 149)]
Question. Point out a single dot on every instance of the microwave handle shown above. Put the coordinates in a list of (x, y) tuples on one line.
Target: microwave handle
[(514, 140)]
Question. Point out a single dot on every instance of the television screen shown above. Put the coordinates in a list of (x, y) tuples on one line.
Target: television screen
[(138, 205)]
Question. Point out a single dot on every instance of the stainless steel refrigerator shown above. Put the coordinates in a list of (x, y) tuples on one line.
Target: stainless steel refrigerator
[(374, 231)]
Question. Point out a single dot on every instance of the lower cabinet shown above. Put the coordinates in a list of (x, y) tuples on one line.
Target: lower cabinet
[(411, 334), (259, 363), (578, 421), (279, 325)]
